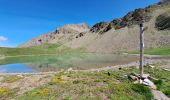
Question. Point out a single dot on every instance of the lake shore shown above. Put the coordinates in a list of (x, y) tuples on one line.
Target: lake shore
[(19, 86)]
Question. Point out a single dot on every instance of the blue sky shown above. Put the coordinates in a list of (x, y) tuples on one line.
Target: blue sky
[(21, 20)]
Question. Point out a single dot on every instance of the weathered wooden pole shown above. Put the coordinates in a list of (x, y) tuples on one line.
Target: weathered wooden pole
[(141, 50)]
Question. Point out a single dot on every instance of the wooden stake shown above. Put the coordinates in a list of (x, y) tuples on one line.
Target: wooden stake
[(141, 50)]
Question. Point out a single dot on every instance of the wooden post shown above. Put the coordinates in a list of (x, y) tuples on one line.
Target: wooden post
[(141, 50)]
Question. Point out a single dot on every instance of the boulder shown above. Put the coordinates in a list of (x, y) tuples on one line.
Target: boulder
[(147, 82)]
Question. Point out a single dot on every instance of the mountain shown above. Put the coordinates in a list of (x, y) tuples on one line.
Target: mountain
[(60, 36), (119, 35)]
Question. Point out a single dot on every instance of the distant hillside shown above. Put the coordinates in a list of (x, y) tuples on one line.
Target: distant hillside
[(119, 35)]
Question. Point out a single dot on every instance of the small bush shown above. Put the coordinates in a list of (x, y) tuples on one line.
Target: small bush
[(6, 92), (42, 92), (158, 83), (76, 81), (143, 90), (167, 92), (3, 92), (67, 98), (57, 79)]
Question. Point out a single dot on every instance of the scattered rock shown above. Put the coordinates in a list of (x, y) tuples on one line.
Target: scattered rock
[(108, 73), (21, 76), (145, 76), (70, 69), (1, 78), (133, 78), (148, 83), (120, 68), (151, 66), (145, 80), (80, 35)]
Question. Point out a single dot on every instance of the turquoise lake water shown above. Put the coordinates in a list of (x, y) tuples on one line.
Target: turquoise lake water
[(32, 64)]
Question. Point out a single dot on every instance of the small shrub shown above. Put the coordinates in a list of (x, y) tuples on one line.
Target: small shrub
[(39, 92), (57, 79), (97, 80), (167, 92), (67, 98), (51, 83), (3, 91), (158, 83), (143, 90), (44, 92), (76, 81)]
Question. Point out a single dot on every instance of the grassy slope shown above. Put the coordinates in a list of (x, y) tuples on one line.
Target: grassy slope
[(43, 49), (49, 53), (96, 86), (57, 49), (156, 51)]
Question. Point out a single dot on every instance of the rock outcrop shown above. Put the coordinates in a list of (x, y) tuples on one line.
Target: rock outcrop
[(132, 18), (163, 21), (99, 26)]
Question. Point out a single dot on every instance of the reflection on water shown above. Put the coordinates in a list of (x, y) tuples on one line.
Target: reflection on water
[(54, 63), (16, 68)]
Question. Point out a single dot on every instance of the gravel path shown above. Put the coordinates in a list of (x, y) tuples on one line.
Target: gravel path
[(158, 95)]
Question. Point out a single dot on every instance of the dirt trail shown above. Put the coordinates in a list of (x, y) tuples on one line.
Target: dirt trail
[(158, 95)]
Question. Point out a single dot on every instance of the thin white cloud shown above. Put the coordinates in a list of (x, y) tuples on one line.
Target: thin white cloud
[(4, 42), (2, 38)]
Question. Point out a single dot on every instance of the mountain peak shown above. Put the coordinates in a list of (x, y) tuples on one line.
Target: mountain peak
[(82, 27)]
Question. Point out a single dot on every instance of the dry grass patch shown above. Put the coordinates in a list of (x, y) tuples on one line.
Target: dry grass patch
[(10, 79)]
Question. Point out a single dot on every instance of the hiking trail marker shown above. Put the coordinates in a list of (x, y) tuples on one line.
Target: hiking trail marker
[(142, 29)]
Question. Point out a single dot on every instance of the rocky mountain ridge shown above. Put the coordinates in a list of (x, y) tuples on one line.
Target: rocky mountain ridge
[(117, 35), (68, 29)]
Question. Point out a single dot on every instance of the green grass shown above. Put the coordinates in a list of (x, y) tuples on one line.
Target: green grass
[(165, 51), (36, 50), (163, 84), (98, 86), (90, 86), (158, 51), (143, 90)]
